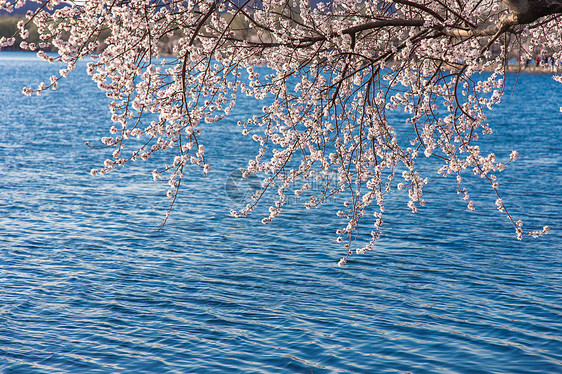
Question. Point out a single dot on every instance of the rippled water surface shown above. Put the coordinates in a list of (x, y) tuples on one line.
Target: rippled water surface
[(87, 286)]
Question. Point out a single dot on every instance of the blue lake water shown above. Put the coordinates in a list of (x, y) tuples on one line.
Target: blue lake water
[(86, 286)]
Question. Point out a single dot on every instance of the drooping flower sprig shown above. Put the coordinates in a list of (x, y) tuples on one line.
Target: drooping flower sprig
[(333, 77)]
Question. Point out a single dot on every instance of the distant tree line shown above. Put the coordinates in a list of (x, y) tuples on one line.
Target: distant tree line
[(9, 22), (8, 28)]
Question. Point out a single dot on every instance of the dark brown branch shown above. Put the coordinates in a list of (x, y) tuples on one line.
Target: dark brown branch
[(527, 11), (522, 12), (420, 7)]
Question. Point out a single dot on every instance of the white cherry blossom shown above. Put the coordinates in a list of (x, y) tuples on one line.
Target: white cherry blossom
[(335, 74)]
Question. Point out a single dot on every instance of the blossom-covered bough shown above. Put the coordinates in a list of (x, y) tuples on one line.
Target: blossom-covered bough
[(330, 75)]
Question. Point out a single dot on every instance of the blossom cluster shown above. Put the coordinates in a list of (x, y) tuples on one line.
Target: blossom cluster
[(336, 76)]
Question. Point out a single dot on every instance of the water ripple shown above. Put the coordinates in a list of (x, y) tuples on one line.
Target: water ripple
[(87, 286)]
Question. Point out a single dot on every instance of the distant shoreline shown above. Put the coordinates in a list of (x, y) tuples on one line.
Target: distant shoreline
[(533, 69), (510, 68)]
